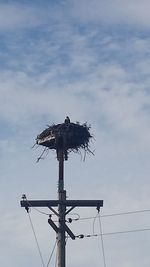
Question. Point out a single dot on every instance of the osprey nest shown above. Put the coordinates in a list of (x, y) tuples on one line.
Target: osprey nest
[(66, 137)]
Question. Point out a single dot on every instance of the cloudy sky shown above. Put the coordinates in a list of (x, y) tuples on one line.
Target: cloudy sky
[(90, 60)]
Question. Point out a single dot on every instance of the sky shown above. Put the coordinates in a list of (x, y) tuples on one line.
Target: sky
[(89, 60)]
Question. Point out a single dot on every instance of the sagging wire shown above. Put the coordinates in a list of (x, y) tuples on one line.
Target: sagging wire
[(88, 218), (100, 235), (52, 214), (69, 220), (46, 150), (29, 204), (39, 211)]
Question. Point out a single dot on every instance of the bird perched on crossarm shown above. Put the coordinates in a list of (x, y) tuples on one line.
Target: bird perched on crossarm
[(67, 120)]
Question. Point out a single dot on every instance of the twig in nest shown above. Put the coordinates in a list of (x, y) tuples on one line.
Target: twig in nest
[(40, 157)]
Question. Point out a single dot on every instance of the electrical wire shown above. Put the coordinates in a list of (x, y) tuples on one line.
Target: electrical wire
[(92, 217), (94, 224), (51, 254), (127, 231), (75, 214), (101, 234), (125, 213), (114, 214), (39, 211), (36, 240), (38, 247), (56, 258), (42, 212), (102, 241), (113, 233)]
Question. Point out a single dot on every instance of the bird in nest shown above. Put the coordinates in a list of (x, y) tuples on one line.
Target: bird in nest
[(67, 120)]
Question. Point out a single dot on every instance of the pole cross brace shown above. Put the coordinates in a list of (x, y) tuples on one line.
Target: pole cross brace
[(66, 203), (56, 229)]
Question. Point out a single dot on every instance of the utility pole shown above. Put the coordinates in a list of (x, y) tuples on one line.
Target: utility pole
[(61, 213), (63, 207)]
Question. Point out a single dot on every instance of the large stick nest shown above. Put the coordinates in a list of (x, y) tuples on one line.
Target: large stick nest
[(66, 137)]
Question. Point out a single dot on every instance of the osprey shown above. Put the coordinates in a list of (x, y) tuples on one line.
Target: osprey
[(67, 120)]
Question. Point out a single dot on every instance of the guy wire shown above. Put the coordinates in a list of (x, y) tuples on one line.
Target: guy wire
[(36, 240), (51, 254), (102, 241)]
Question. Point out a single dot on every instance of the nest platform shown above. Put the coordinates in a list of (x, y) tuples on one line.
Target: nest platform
[(66, 137)]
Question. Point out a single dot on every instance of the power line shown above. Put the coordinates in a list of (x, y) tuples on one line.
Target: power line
[(101, 234), (38, 210), (92, 217), (115, 214), (113, 233), (125, 213), (90, 235), (127, 231)]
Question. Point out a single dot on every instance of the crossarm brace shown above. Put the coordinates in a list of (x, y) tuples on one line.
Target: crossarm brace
[(66, 203), (56, 229)]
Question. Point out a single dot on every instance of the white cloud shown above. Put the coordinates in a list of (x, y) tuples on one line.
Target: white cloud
[(98, 78), (130, 12), (18, 16)]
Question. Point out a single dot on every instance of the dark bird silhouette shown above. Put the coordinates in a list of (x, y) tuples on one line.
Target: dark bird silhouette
[(67, 120)]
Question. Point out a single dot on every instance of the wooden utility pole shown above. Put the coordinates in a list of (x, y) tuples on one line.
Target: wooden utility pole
[(61, 213), (63, 205)]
